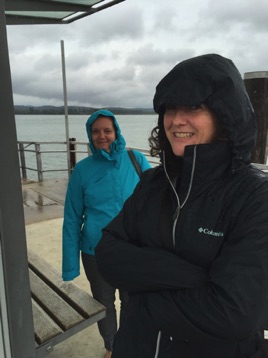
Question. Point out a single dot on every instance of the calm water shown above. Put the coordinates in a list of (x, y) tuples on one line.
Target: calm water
[(49, 128)]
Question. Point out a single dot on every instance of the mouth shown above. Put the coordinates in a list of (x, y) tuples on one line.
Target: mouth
[(183, 134)]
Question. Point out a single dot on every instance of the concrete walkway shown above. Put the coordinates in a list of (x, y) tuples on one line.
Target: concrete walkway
[(43, 209)]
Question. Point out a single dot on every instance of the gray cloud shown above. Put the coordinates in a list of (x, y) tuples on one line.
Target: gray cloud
[(116, 57)]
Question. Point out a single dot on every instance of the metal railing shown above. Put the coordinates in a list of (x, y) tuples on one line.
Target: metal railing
[(40, 159), (33, 165)]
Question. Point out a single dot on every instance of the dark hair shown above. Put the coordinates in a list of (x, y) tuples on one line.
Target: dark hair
[(158, 140), (159, 143)]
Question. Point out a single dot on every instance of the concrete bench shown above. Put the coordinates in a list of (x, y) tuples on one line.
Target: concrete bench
[(60, 309)]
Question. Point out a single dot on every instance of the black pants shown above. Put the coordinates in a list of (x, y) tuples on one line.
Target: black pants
[(105, 294)]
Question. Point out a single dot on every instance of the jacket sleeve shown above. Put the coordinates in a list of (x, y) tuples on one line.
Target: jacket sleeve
[(73, 219), (126, 265), (233, 303), (229, 302)]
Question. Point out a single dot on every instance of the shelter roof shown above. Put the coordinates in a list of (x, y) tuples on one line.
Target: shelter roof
[(31, 12)]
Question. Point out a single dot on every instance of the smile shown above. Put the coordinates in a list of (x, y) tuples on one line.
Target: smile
[(183, 135)]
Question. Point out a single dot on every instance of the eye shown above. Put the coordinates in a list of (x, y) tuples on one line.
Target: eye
[(95, 131), (170, 109), (108, 131)]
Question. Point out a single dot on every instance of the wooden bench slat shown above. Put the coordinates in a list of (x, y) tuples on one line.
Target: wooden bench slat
[(60, 309), (85, 304), (44, 327), (65, 316)]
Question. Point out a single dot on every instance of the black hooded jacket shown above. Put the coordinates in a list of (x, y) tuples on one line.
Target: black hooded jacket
[(195, 258)]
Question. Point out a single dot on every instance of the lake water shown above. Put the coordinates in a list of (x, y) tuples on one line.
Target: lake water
[(50, 128)]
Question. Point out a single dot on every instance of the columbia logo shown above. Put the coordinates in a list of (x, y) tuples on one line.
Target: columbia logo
[(210, 232)]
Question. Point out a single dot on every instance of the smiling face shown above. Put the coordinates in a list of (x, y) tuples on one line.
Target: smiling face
[(187, 126), (103, 133)]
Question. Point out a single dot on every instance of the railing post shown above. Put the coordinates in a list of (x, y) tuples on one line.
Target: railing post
[(22, 162), (72, 149), (39, 162)]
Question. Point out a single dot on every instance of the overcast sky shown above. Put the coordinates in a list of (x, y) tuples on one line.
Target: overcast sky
[(117, 56)]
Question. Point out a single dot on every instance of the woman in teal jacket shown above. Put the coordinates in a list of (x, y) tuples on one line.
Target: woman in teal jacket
[(97, 190)]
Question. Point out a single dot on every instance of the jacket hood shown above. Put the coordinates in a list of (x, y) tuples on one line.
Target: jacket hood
[(117, 146), (215, 81)]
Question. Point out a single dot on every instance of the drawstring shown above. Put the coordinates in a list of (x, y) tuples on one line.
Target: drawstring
[(172, 186), (180, 206), (192, 177), (157, 344)]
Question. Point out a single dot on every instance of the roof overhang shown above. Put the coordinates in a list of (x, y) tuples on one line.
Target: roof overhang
[(33, 12)]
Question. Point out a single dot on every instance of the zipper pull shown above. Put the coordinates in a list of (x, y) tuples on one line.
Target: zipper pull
[(175, 219)]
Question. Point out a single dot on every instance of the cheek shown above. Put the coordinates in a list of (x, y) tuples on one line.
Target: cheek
[(213, 132), (209, 129), (167, 123), (113, 138)]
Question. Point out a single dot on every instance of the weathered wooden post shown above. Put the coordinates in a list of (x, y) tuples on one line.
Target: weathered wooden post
[(39, 162), (257, 87), (22, 162), (72, 149)]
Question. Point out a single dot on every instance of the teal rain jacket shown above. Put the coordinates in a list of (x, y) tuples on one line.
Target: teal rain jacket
[(98, 188)]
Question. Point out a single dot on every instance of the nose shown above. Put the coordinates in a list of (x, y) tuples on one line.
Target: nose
[(180, 117), (101, 134)]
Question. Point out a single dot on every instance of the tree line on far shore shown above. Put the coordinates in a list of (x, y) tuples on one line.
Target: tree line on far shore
[(77, 110)]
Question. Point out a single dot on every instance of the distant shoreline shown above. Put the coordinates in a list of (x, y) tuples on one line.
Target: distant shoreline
[(77, 110)]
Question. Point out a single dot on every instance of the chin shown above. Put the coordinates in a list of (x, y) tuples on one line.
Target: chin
[(178, 153)]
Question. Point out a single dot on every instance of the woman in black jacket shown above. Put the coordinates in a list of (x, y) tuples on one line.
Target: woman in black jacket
[(191, 244)]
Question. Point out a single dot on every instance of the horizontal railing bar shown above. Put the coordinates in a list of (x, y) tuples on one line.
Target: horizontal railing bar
[(75, 142), (35, 170), (46, 151), (78, 151), (28, 150), (54, 170), (37, 142), (52, 151), (47, 170)]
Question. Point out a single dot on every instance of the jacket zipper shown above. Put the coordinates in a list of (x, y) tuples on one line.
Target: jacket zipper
[(175, 220), (180, 206)]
